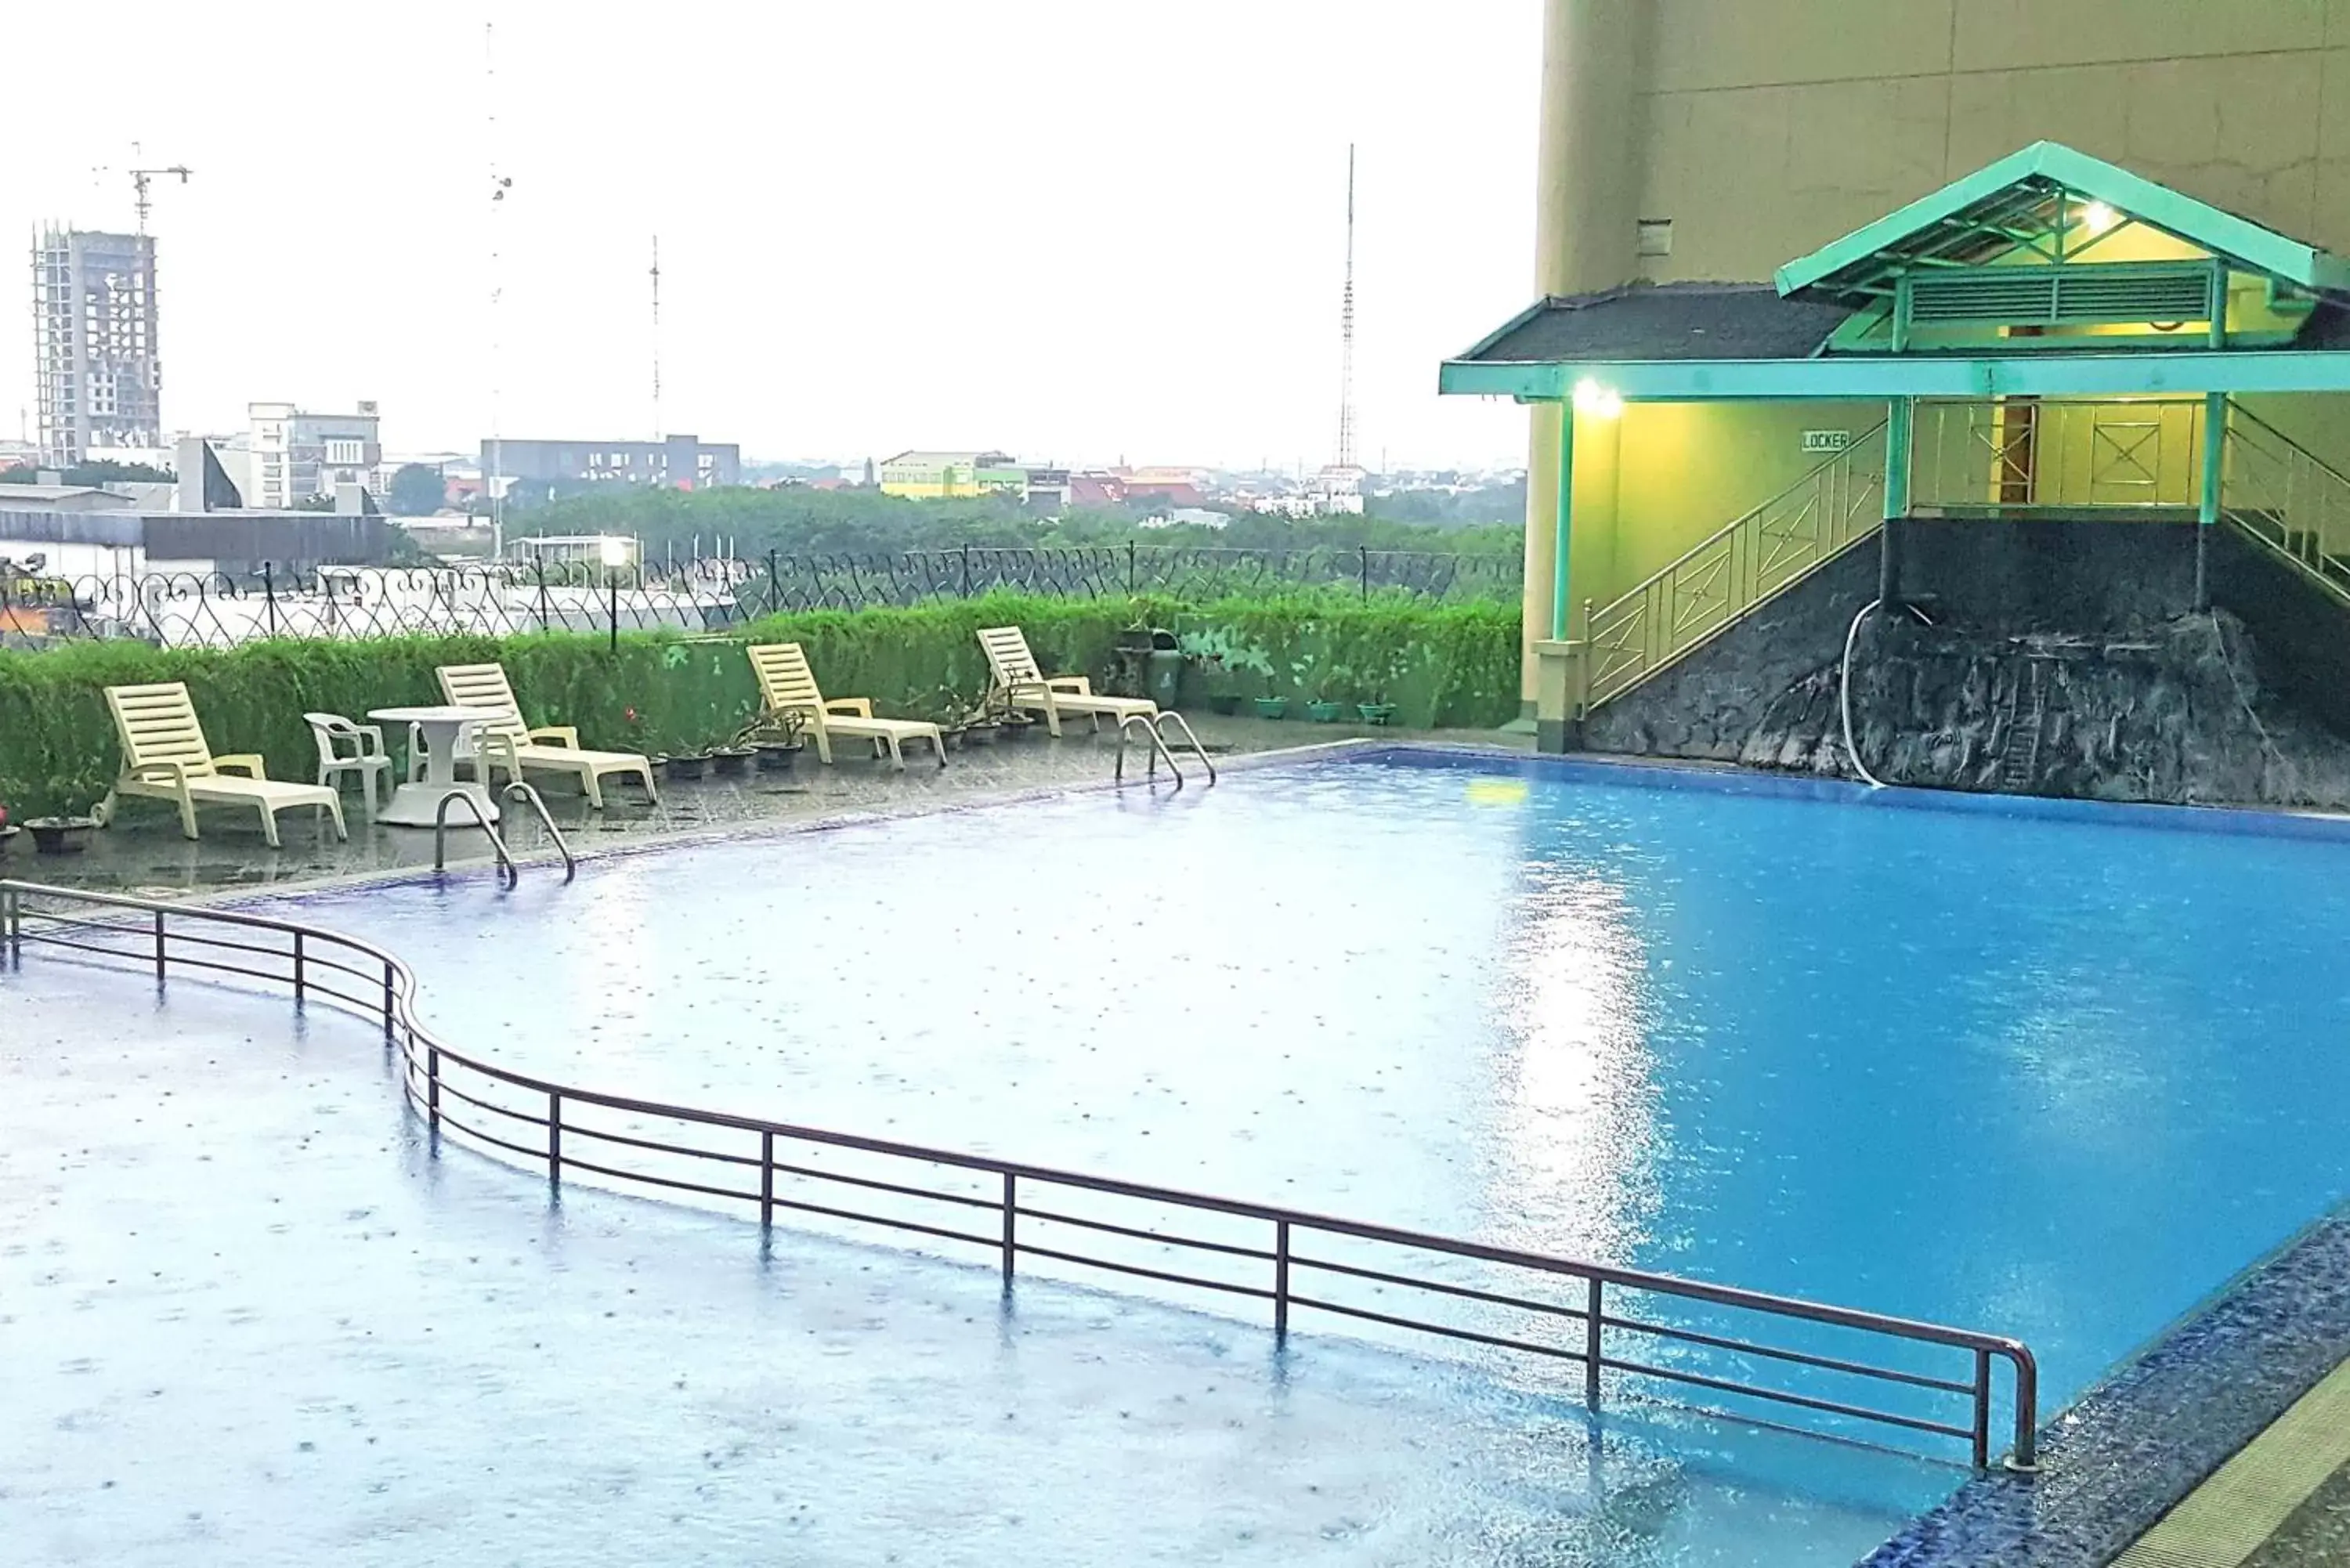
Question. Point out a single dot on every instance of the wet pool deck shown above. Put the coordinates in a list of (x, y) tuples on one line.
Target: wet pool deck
[(254, 1315), (144, 854)]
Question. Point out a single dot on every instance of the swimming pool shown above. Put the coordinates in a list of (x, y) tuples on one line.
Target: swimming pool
[(2059, 1077)]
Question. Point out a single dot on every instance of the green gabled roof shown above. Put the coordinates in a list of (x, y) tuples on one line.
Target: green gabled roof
[(1992, 196)]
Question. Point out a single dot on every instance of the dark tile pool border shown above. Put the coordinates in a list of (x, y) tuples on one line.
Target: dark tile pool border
[(2123, 1453)]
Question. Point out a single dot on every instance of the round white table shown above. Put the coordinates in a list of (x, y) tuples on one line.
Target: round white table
[(440, 731)]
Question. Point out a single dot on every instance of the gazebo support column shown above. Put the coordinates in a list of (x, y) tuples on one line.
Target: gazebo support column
[(1900, 420), (1558, 660), (2206, 507)]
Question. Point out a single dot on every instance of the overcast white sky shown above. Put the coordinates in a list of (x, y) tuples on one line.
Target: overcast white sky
[(1075, 229)]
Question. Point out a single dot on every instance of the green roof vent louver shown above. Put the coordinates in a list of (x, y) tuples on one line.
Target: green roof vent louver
[(2078, 295)]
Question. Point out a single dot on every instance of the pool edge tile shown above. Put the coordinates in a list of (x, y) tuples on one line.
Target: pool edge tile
[(2131, 1448)]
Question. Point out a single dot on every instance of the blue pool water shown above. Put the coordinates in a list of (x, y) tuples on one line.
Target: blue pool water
[(2058, 1078)]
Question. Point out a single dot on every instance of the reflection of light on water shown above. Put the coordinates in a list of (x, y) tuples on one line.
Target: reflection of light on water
[(1574, 1166), (1497, 792), (611, 972)]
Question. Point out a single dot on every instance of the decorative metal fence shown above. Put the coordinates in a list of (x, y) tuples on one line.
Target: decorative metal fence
[(185, 609), (1836, 1370)]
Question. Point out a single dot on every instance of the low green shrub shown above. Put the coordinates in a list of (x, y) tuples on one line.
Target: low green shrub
[(1452, 665)]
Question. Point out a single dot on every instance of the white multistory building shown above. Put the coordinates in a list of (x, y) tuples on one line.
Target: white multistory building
[(295, 456)]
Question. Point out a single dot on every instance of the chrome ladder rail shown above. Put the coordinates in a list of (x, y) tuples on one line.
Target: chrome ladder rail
[(1190, 738), (1157, 749), (518, 790), (481, 820)]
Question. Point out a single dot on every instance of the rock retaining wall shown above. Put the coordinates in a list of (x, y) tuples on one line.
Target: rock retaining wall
[(2065, 660)]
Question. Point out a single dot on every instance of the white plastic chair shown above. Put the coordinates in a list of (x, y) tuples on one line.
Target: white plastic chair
[(366, 757)]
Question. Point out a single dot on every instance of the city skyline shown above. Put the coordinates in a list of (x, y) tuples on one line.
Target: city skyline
[(1057, 231)]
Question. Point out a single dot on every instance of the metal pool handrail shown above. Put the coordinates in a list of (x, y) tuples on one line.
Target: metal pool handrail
[(434, 1074), (506, 869), (1157, 749)]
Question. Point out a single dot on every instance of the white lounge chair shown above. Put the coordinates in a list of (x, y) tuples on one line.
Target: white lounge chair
[(507, 742), (166, 757), (787, 685), (1021, 684), (366, 757)]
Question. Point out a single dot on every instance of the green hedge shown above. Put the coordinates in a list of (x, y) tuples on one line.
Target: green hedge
[(1442, 665)]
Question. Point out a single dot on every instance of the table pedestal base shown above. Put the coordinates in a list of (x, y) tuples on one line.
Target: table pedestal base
[(416, 805)]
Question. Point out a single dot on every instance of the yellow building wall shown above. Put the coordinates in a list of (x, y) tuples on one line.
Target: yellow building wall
[(1769, 127), (930, 490), (1688, 469), (1764, 129)]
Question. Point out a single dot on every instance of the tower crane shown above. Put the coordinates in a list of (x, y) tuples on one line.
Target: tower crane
[(140, 180)]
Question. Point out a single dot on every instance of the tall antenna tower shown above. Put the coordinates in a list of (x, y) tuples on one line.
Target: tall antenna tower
[(656, 415), (499, 185), (1347, 331)]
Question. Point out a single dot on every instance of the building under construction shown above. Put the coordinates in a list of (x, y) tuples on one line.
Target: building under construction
[(99, 376)]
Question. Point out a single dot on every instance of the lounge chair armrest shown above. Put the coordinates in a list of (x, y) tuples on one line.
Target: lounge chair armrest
[(1076, 685), (370, 739), (162, 773), (556, 735), (860, 707), (245, 762)]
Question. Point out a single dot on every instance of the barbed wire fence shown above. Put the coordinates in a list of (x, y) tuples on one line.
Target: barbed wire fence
[(211, 609)]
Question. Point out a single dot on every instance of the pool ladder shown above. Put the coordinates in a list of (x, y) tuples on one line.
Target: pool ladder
[(1154, 730), (507, 869), (2019, 761)]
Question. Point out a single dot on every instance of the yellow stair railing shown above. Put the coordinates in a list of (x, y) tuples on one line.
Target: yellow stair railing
[(2287, 498), (1710, 586)]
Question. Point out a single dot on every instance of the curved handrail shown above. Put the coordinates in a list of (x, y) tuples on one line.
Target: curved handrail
[(1157, 749), (528, 793), (481, 820), (1168, 716), (425, 1057)]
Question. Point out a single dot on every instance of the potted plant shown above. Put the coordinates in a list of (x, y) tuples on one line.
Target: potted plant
[(953, 713), (61, 812), (1269, 706), (978, 723), (774, 739), (1324, 708), (1379, 711), (1222, 698), (684, 764), (1011, 723), (8, 830)]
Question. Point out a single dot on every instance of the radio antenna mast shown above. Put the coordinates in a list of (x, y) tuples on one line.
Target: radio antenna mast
[(1347, 331), (657, 413), (499, 185)]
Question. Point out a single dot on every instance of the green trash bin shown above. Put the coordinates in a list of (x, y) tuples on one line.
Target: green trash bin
[(1163, 678)]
